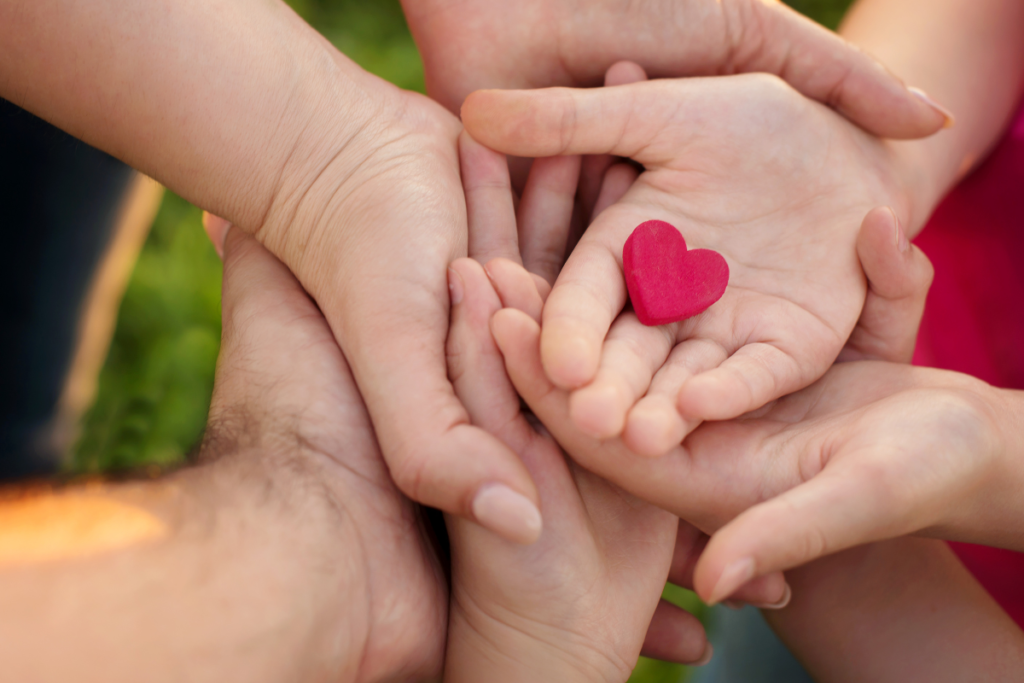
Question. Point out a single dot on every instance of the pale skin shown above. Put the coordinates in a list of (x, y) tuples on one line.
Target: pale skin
[(307, 152), (981, 73), (654, 388), (575, 605), (286, 554), (745, 165), (898, 610)]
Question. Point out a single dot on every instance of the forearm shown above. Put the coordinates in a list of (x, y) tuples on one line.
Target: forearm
[(899, 610), (222, 572), (213, 99), (966, 54)]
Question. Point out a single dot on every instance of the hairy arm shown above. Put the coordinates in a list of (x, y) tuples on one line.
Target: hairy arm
[(213, 573)]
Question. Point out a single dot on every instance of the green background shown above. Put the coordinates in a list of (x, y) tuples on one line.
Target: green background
[(155, 387)]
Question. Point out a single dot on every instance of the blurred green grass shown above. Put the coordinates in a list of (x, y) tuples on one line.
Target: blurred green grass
[(154, 390)]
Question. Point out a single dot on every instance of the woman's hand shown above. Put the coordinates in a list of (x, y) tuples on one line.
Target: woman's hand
[(245, 110), (872, 451), (476, 44)]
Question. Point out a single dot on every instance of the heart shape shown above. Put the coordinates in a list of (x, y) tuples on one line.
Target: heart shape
[(666, 282)]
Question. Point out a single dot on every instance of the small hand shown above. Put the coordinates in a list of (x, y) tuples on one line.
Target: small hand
[(574, 605), (283, 387), (743, 165)]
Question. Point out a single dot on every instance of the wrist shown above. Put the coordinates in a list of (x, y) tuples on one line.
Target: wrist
[(297, 552), (483, 647), (918, 185), (999, 510)]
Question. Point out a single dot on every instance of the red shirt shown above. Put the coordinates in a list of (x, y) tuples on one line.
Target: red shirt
[(974, 319)]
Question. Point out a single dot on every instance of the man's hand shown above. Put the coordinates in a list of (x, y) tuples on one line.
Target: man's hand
[(284, 554), (470, 45), (283, 386), (744, 165)]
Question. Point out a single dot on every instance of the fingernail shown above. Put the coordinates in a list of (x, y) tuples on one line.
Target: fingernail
[(733, 576), (787, 595), (923, 96), (706, 657), (507, 513), (217, 230), (902, 243), (454, 287)]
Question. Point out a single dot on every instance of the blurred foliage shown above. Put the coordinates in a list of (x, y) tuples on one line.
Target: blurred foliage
[(155, 388), (827, 12)]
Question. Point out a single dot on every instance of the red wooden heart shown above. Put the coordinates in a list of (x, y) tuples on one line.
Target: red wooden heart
[(666, 282)]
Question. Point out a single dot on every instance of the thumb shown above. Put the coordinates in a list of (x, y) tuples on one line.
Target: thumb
[(835, 510), (825, 67), (899, 275), (563, 121)]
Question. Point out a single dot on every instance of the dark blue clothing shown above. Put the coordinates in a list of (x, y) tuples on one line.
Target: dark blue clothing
[(60, 199)]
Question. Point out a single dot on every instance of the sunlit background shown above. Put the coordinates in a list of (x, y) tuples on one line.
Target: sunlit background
[(154, 389)]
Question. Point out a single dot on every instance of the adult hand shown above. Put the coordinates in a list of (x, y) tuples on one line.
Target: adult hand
[(873, 451), (351, 182), (476, 44), (283, 387), (777, 184)]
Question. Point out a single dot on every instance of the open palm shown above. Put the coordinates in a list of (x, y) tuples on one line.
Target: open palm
[(743, 165)]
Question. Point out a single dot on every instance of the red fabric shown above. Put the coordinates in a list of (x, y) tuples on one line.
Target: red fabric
[(974, 320)]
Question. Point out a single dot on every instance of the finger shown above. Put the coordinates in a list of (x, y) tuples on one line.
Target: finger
[(489, 204), (594, 167), (545, 214), (217, 230), (475, 366), (434, 454), (675, 635), (899, 275), (560, 121), (631, 354), (515, 287), (623, 73), (617, 181), (764, 592), (654, 425), (834, 511), (588, 295), (824, 67), (754, 375)]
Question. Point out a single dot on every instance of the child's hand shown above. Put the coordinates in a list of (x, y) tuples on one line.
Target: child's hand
[(575, 604), (706, 480), (874, 451), (744, 165)]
